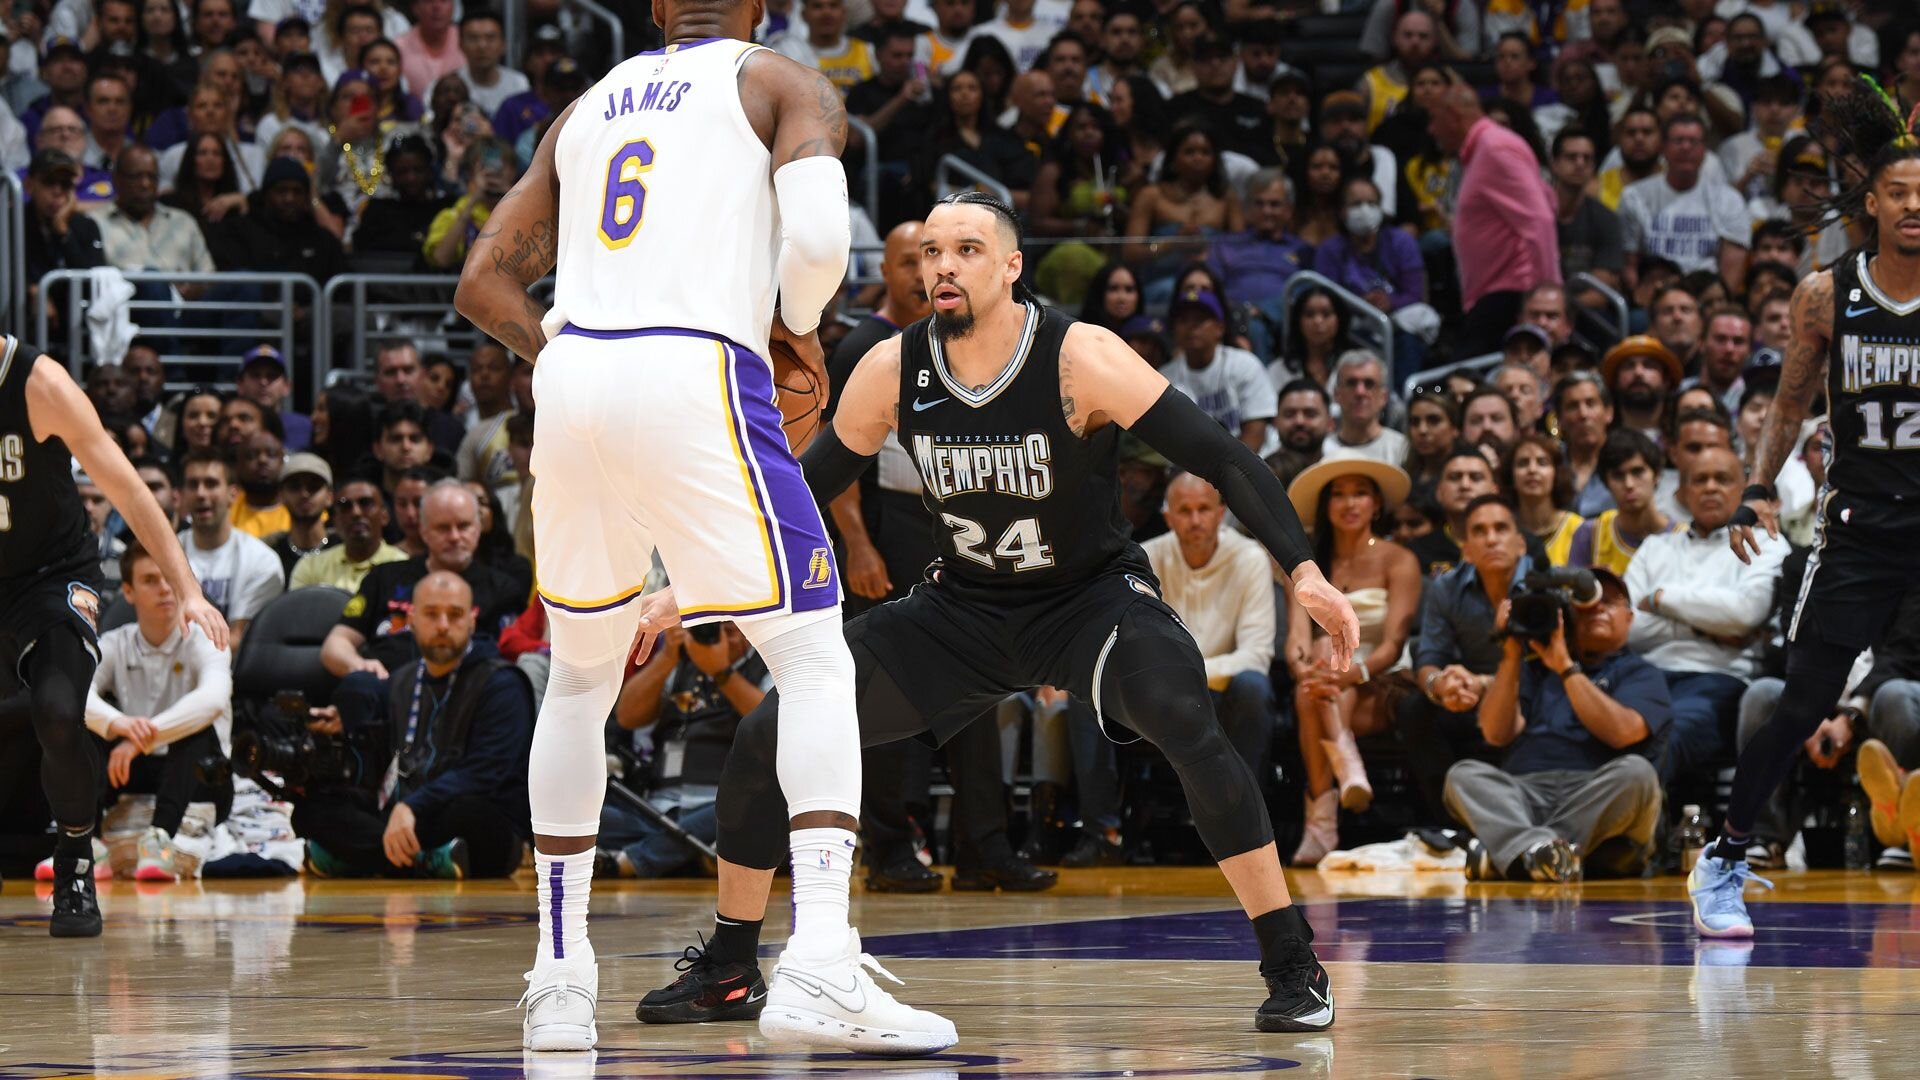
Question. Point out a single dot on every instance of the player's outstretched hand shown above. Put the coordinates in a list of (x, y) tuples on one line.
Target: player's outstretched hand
[(1762, 512), (659, 612), (1328, 607), (197, 612)]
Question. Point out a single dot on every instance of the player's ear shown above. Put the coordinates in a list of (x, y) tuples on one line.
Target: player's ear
[(1015, 265), (759, 8)]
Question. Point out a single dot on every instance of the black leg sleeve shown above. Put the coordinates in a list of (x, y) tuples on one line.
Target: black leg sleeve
[(1816, 674), (1155, 682), (751, 810), (58, 670)]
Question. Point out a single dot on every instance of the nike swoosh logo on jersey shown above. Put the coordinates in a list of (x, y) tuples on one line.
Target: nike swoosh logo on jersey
[(850, 998), (923, 406), (1856, 312)]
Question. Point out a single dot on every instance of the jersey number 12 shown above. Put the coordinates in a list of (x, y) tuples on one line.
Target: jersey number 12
[(1905, 437), (625, 200)]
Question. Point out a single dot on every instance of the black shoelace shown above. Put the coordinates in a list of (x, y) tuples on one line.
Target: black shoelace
[(696, 960)]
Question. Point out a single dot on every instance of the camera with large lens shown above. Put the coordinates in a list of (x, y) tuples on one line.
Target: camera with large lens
[(1545, 597), (705, 634), (281, 753)]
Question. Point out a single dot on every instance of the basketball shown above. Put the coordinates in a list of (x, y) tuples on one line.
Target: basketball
[(802, 395)]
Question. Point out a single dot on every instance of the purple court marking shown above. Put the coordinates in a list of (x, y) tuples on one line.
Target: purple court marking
[(1461, 931)]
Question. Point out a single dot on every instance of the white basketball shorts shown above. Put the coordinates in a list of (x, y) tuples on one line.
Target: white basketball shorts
[(670, 438)]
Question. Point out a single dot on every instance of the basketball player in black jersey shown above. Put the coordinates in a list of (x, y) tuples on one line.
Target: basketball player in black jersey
[(1861, 321), (50, 597), (1013, 415)]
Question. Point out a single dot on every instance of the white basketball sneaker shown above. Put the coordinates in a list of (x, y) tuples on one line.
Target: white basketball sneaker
[(835, 1004), (560, 1001)]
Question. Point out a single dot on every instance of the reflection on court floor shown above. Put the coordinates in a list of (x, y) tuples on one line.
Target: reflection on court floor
[(1123, 973)]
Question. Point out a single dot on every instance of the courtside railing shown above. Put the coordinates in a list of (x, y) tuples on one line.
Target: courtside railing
[(209, 332), (13, 257), (363, 309), (1357, 307)]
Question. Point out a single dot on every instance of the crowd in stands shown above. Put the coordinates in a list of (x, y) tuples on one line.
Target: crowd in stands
[(1494, 287)]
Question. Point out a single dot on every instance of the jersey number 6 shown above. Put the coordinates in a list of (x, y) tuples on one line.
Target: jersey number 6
[(626, 197)]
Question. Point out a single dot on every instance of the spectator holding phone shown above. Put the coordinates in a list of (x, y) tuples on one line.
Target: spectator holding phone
[(491, 167)]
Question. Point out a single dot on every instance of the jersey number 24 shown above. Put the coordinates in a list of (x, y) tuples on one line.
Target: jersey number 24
[(626, 195)]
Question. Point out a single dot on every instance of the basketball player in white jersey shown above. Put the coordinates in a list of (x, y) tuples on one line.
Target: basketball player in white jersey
[(676, 197)]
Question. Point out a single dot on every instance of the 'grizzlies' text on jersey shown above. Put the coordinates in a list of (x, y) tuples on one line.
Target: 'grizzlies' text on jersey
[(1017, 497), (1873, 388), (43, 525), (667, 212)]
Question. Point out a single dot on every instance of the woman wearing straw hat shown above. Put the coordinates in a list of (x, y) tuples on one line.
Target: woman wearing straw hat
[(1341, 500)]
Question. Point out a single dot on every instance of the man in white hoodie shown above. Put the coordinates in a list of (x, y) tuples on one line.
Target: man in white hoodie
[(172, 706), (1220, 585), (1701, 610)]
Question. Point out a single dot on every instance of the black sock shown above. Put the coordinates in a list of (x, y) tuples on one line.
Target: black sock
[(74, 845), (1730, 847), (735, 941), (1277, 928)]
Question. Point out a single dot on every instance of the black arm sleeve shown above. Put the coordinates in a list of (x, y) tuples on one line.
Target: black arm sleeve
[(1191, 439), (829, 466)]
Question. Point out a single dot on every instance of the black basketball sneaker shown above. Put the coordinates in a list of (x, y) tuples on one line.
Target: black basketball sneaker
[(76, 909), (708, 989), (1300, 996)]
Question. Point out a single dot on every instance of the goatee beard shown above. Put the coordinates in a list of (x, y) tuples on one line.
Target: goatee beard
[(953, 327)]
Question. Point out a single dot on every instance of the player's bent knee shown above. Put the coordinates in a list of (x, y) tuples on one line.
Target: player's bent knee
[(592, 640)]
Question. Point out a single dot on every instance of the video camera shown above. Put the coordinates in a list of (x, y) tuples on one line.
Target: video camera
[(1548, 596), (296, 757)]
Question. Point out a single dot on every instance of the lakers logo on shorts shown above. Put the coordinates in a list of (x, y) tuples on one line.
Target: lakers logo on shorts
[(85, 603), (819, 570)]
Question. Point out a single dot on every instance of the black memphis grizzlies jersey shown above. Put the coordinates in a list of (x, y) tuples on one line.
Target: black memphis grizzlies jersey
[(43, 526), (1873, 388), (1017, 497)]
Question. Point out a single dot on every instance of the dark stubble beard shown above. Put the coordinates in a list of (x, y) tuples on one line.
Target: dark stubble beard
[(955, 326)]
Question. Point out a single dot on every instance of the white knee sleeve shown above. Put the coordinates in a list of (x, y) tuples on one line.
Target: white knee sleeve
[(566, 773), (818, 755)]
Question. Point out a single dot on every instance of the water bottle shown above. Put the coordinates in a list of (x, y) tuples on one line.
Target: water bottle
[(1859, 832), (1690, 836)]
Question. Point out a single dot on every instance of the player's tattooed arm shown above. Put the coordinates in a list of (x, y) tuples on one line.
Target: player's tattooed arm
[(795, 110), (517, 247), (1801, 371)]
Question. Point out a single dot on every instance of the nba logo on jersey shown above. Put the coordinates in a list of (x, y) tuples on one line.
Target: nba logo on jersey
[(819, 570)]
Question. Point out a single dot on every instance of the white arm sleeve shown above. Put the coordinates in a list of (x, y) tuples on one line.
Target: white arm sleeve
[(814, 236)]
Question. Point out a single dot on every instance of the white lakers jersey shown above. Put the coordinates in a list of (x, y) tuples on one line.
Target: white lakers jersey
[(667, 211)]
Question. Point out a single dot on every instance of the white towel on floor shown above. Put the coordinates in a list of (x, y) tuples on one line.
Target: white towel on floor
[(1406, 853)]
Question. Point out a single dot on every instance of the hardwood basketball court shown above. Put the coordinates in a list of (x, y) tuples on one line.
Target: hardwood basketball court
[(1120, 973)]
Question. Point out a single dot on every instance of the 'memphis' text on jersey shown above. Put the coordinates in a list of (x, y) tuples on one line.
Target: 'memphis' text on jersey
[(1868, 363), (1017, 465)]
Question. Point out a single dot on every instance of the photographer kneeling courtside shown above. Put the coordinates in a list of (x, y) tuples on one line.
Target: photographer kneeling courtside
[(446, 795), (1579, 719)]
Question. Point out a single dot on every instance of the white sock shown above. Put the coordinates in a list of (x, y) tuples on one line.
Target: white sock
[(565, 883), (822, 878)]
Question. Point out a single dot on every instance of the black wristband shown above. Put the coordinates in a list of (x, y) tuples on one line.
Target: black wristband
[(1759, 493), (1743, 516), (1570, 671)]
